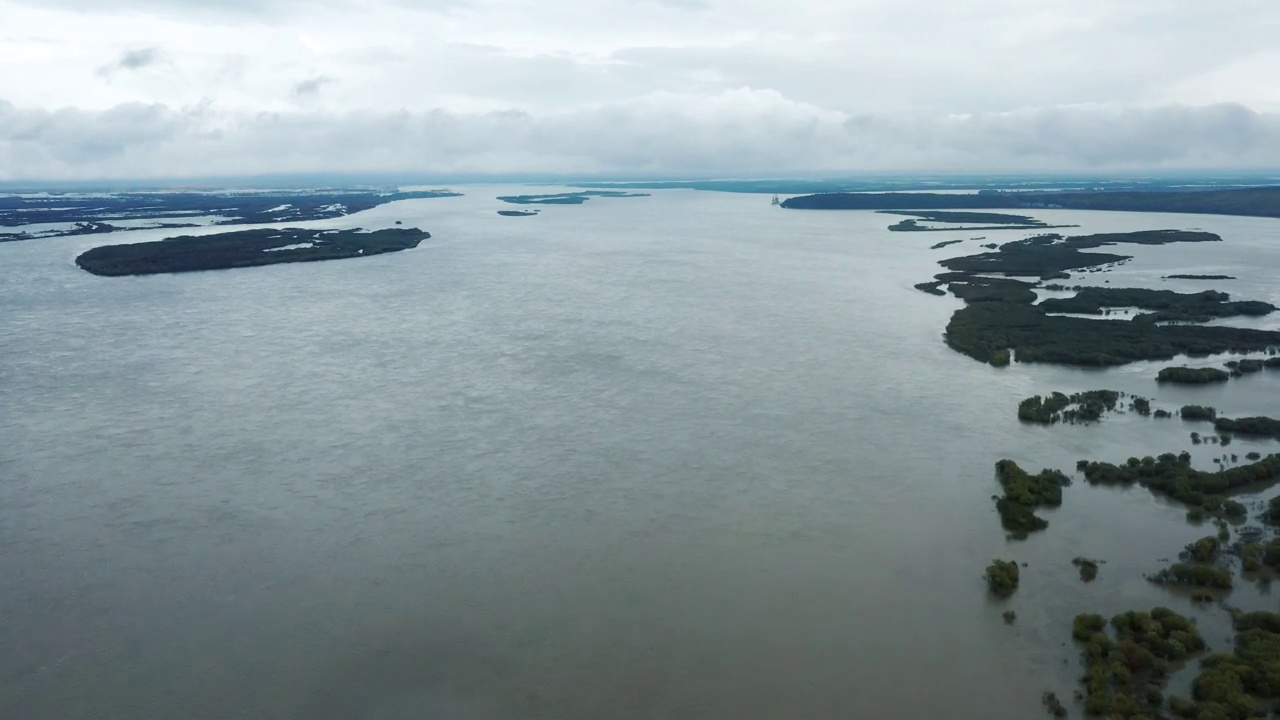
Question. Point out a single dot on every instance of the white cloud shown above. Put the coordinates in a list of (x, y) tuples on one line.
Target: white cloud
[(456, 83), (742, 131)]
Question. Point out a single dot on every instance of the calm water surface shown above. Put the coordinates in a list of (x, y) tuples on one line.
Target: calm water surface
[(684, 456)]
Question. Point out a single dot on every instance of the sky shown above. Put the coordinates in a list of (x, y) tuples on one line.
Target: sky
[(135, 89)]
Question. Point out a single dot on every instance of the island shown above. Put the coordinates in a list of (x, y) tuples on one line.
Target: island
[(517, 213), (93, 212), (984, 221), (1255, 201), (244, 248), (1001, 319), (1191, 376), (1198, 277), (567, 198)]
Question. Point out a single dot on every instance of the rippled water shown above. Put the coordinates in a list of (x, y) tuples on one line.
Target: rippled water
[(685, 456)]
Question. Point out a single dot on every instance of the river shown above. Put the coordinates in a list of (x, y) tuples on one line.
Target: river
[(679, 456)]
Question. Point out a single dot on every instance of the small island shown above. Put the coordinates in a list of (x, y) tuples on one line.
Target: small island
[(567, 198), (969, 221), (1191, 376), (517, 213), (245, 248), (1198, 277)]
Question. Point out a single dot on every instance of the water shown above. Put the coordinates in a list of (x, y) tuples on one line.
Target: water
[(685, 456)]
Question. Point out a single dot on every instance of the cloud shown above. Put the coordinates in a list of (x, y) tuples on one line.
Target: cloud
[(312, 86), (133, 60), (660, 134)]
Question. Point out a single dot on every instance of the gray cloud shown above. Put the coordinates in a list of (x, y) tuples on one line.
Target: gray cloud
[(312, 86), (131, 60), (737, 131)]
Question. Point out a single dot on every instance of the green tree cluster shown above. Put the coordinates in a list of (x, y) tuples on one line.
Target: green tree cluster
[(1002, 577)]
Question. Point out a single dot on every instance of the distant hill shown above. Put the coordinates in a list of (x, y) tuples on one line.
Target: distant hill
[(1258, 202)]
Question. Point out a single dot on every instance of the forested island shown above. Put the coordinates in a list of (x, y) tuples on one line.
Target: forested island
[(567, 198), (245, 248), (1001, 315), (968, 221), (1260, 201), (93, 212), (517, 213)]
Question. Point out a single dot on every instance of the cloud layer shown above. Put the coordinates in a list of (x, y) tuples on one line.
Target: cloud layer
[(168, 87), (735, 132)]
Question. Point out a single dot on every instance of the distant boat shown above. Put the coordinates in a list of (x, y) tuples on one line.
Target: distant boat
[(776, 201)]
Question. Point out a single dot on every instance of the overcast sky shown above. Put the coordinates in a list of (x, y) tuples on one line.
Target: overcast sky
[(173, 88)]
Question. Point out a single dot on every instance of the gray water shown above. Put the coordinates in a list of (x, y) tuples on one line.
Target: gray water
[(685, 456)]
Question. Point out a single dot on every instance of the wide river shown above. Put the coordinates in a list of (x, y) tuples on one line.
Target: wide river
[(681, 456)]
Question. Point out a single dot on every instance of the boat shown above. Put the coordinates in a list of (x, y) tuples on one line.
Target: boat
[(776, 201)]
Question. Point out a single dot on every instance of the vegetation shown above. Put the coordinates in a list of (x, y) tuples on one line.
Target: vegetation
[(1010, 617), (1002, 577), (1161, 413), (246, 248), (1088, 568), (1191, 376), (1251, 557), (982, 328), (944, 243), (1243, 367), (1262, 201), (1053, 705), (1204, 550), (517, 213), (962, 218), (1165, 304), (1001, 313), (1173, 476), (1198, 412), (1023, 493), (233, 207), (1205, 576), (1263, 426), (1141, 405), (1085, 406), (1199, 277), (1229, 683), (567, 198), (1124, 677)]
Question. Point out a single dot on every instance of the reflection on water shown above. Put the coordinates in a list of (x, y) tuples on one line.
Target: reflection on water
[(679, 456)]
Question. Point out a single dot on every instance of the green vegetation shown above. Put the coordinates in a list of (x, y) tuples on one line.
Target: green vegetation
[(1229, 683), (1023, 493), (1079, 407), (1166, 304), (1205, 576), (1173, 476), (1204, 550), (1125, 677), (1198, 277), (1141, 405), (1251, 557), (1198, 412), (1243, 367), (1010, 617), (982, 328), (994, 221), (517, 213), (1253, 455), (1260, 201), (245, 248), (567, 198), (960, 218), (1263, 426), (1088, 568), (1002, 577), (1053, 705), (1001, 313), (1191, 376), (1161, 413)]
